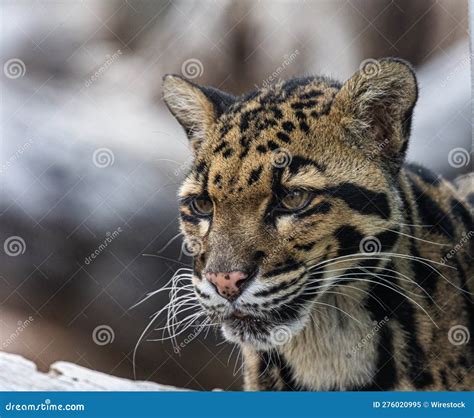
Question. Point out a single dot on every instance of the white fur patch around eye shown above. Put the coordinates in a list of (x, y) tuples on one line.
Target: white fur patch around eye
[(189, 187), (284, 224), (204, 226)]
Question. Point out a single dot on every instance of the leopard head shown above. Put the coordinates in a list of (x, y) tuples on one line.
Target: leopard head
[(288, 185)]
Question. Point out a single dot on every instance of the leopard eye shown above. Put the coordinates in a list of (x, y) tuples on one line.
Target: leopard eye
[(202, 206), (295, 200)]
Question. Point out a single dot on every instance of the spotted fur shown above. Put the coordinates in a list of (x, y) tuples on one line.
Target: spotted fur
[(323, 310)]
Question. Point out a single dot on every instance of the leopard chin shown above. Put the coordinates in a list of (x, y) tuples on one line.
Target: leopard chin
[(260, 334)]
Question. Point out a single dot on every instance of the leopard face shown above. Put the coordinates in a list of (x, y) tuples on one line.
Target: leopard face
[(289, 189)]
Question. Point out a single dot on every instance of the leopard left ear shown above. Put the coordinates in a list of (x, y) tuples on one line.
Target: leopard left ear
[(376, 105), (195, 107)]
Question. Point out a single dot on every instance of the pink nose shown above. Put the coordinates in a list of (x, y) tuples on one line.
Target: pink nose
[(228, 284)]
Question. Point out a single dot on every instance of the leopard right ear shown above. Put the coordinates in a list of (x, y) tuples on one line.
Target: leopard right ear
[(195, 107)]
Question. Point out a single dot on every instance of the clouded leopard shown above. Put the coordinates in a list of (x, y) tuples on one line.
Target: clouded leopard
[(332, 263)]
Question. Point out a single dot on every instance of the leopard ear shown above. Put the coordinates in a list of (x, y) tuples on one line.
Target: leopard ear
[(377, 105), (195, 107)]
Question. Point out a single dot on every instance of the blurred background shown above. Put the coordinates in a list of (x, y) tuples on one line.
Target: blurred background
[(91, 159)]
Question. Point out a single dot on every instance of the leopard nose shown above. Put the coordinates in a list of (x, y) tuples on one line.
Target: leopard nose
[(228, 284)]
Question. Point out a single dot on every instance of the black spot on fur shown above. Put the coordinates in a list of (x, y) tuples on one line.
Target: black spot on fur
[(283, 137), (311, 94), (362, 200), (220, 147), (304, 247), (228, 153), (423, 274), (431, 214), (201, 294), (272, 145), (320, 208), (304, 126), (258, 256), (349, 239), (262, 149), (462, 214), (255, 175), (277, 112), (300, 115), (298, 162), (201, 167), (292, 265), (386, 376), (387, 239), (288, 126), (279, 287), (304, 105), (188, 218)]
